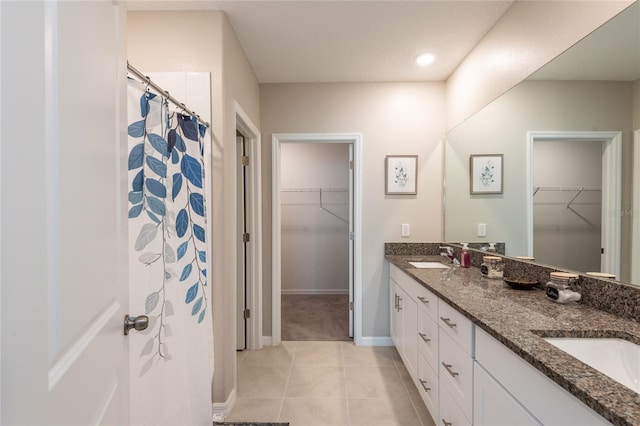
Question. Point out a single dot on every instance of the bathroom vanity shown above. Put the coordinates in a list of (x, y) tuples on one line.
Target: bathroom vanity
[(475, 349)]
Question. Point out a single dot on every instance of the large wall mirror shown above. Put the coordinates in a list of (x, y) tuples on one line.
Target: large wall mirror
[(567, 137)]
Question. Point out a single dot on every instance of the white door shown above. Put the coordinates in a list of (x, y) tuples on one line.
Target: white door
[(63, 214)]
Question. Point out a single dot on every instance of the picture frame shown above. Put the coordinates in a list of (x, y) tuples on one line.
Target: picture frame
[(486, 174), (401, 172)]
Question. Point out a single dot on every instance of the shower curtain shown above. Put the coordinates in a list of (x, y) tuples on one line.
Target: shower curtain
[(171, 362)]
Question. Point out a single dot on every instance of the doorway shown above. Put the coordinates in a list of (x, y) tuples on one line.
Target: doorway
[(609, 186), (315, 218), (332, 203)]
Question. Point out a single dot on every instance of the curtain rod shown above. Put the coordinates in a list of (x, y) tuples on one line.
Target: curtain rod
[(176, 102)]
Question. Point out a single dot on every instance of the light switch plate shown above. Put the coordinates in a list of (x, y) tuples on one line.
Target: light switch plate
[(406, 230), (482, 230)]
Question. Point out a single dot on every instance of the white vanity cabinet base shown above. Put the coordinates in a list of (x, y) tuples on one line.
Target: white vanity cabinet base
[(549, 403), (494, 406)]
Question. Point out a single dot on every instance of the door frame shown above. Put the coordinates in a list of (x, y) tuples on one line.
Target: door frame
[(611, 190), (277, 139), (635, 239), (254, 287)]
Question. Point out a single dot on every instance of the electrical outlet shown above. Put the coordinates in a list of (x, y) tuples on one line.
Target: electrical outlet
[(482, 230), (406, 230)]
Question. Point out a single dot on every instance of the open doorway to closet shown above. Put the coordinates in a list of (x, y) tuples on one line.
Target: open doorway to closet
[(315, 221), (314, 234)]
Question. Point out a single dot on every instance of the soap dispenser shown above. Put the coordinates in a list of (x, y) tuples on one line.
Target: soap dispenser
[(465, 257)]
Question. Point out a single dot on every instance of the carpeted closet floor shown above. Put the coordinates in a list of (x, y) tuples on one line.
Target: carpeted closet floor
[(315, 317)]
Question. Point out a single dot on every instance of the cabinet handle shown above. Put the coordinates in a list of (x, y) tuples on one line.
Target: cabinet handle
[(399, 305), (424, 385), (448, 322), (395, 298), (449, 370), (423, 300), (446, 423), (424, 337)]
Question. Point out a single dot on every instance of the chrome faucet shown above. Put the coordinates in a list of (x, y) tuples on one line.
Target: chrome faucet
[(449, 253)]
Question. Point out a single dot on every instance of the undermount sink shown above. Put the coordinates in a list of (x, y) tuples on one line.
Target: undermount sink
[(617, 358), (428, 265)]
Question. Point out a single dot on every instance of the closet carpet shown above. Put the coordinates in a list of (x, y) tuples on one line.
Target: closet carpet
[(315, 317)]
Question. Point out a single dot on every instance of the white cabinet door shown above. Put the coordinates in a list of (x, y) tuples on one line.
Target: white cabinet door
[(63, 213), (494, 406), (404, 325), (409, 311), (395, 315)]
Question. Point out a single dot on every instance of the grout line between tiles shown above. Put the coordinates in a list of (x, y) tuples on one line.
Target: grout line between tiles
[(344, 377), (404, 383), (286, 386)]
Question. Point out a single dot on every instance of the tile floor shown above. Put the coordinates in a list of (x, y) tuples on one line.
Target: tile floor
[(326, 383)]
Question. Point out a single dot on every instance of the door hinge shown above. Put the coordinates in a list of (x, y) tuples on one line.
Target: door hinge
[(351, 306), (245, 160), (351, 164), (245, 237), (351, 236), (246, 314)]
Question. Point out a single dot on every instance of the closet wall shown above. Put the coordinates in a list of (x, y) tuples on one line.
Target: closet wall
[(315, 208)]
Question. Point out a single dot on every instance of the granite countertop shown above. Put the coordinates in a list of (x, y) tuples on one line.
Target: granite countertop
[(520, 319)]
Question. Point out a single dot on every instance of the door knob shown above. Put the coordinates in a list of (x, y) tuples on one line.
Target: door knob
[(141, 322)]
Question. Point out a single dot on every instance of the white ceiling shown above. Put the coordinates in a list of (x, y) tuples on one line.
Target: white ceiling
[(350, 41), (363, 41)]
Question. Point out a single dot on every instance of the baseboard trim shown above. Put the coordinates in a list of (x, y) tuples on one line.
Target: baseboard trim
[(221, 410), (314, 291), (363, 341), (374, 341)]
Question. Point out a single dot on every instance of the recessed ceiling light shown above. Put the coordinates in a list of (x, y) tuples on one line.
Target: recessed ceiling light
[(425, 59)]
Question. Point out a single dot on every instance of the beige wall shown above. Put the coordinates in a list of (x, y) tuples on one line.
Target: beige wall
[(636, 105), (204, 41), (528, 35), (501, 128), (394, 118)]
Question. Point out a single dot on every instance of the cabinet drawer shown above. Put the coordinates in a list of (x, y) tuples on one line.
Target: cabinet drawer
[(428, 339), (428, 302), (450, 414), (428, 386), (456, 325), (493, 405), (455, 371)]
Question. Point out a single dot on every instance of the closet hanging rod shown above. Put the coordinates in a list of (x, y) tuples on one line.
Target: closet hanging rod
[(567, 188), (314, 189), (145, 79)]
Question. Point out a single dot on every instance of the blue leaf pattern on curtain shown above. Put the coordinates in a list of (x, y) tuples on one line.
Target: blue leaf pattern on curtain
[(166, 172)]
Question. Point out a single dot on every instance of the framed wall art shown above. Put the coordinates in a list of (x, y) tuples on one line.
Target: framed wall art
[(486, 173), (401, 174)]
